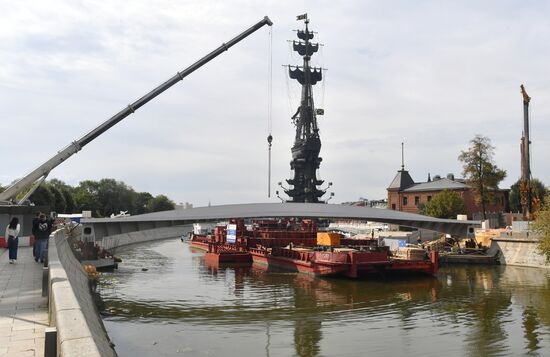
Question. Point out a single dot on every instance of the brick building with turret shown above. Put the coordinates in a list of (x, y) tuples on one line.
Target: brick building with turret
[(405, 195)]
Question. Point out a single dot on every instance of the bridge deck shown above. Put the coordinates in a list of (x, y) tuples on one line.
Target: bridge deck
[(274, 210)]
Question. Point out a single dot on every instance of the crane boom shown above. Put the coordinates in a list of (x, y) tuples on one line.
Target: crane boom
[(525, 182), (62, 155)]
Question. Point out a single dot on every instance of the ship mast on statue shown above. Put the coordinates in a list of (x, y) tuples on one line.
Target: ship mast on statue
[(307, 144)]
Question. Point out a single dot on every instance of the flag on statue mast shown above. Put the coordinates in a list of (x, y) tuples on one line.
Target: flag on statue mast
[(301, 17)]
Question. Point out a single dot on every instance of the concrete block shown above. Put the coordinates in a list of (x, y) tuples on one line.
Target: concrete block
[(64, 297), (60, 284), (56, 272), (82, 347), (71, 324)]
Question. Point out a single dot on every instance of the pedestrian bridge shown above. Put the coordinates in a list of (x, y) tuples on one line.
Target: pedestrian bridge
[(99, 228)]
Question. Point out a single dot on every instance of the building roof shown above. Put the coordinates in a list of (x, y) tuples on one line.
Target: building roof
[(401, 181), (437, 185)]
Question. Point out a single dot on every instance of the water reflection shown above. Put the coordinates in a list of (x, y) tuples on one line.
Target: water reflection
[(530, 326), (307, 330), (476, 311), (476, 302)]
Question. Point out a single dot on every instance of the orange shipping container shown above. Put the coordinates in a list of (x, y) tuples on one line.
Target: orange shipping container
[(330, 239)]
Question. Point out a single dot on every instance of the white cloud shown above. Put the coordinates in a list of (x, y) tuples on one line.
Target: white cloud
[(432, 74)]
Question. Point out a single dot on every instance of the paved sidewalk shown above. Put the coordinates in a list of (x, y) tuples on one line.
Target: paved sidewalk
[(23, 310)]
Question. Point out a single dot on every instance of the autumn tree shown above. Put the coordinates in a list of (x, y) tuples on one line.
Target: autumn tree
[(446, 204), (481, 173), (541, 225)]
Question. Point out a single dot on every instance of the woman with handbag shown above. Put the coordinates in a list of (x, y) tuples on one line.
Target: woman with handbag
[(12, 233)]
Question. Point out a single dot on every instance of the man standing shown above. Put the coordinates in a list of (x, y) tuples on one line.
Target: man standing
[(34, 230), (43, 229)]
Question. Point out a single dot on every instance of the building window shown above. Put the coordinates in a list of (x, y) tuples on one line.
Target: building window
[(429, 198), (405, 199), (393, 206), (416, 200)]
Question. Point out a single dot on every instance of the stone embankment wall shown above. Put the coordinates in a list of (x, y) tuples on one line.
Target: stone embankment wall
[(80, 330), (516, 250), (119, 240)]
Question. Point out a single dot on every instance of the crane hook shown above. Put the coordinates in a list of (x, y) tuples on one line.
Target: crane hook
[(269, 140)]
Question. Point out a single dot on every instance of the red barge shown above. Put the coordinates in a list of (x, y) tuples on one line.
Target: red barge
[(302, 248)]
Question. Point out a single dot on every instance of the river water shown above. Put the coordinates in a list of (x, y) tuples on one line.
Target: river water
[(165, 301)]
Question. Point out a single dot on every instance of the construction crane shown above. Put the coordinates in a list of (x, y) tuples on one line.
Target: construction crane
[(525, 181), (38, 175)]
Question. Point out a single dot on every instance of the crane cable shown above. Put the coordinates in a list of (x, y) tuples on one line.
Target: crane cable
[(269, 108)]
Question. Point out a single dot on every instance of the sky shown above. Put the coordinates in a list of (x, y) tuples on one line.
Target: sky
[(431, 74)]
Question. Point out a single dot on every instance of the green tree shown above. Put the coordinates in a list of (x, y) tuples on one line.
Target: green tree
[(69, 200), (160, 203), (114, 196), (141, 202), (59, 200), (542, 227), (480, 171), (446, 204), (85, 197), (538, 190), (58, 183), (43, 196), (66, 191), (421, 208), (102, 197)]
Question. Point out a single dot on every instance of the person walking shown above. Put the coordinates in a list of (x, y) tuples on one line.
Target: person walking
[(12, 233), (43, 229)]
